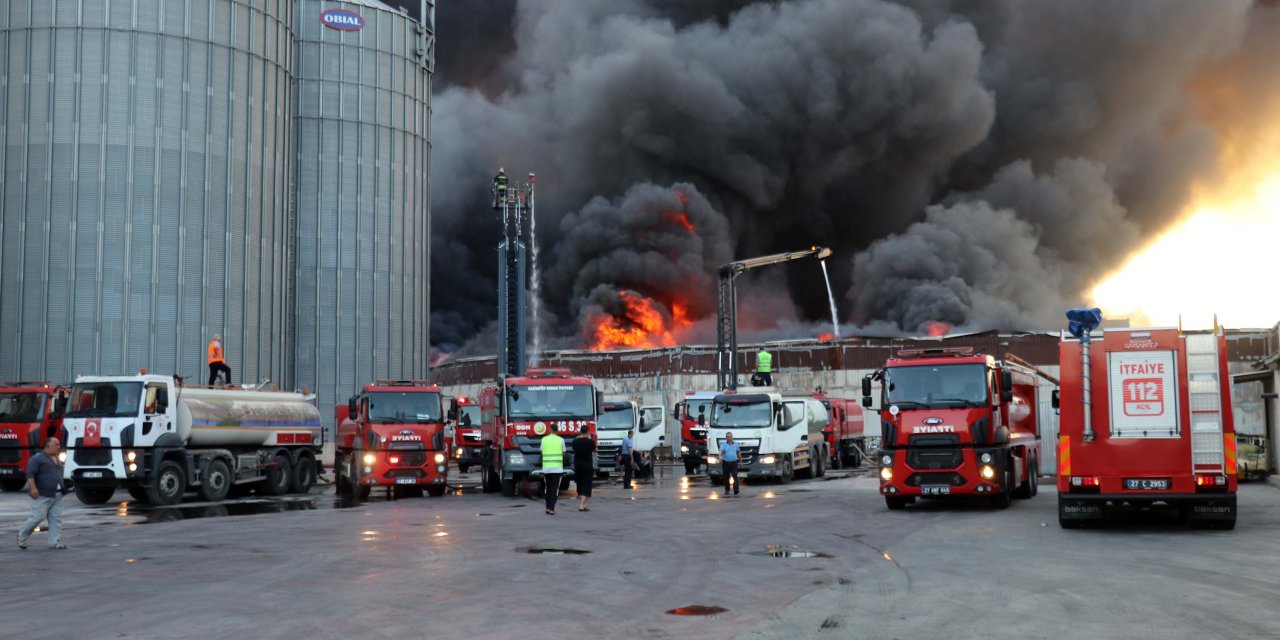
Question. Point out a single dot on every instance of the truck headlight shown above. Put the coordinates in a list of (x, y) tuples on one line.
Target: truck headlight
[(886, 460), (768, 460), (886, 473), (133, 467), (439, 458), (515, 458), (131, 456), (988, 472), (986, 458), (684, 448), (713, 460), (369, 458)]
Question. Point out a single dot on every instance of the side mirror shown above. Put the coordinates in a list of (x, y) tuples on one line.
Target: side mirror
[(866, 401), (1057, 399), (1006, 386), (162, 400), (599, 401), (866, 391), (353, 409), (702, 420), (59, 407)]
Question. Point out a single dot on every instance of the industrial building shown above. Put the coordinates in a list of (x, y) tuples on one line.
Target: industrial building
[(251, 168)]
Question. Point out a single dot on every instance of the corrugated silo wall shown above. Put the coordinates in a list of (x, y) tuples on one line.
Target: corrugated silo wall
[(143, 186), (362, 255)]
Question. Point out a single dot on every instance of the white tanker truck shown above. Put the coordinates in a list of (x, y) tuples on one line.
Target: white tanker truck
[(156, 438)]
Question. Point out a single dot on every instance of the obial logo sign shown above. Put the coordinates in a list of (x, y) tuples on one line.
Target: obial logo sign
[(342, 20)]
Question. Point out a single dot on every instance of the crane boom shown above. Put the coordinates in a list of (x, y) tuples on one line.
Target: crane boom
[(727, 308)]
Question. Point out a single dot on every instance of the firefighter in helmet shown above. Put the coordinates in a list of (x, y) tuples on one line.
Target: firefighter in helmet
[(500, 187)]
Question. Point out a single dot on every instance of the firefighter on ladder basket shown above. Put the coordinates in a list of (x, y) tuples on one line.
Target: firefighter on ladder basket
[(500, 187), (763, 377)]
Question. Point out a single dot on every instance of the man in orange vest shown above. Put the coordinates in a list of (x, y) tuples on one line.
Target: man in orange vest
[(216, 363)]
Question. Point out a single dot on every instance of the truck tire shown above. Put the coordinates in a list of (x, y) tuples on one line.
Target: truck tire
[(94, 495), (1001, 500), (13, 484), (896, 503), (363, 491), (807, 472), (788, 472), (486, 479), (304, 475), (1025, 490), (462, 468), (216, 481), (509, 487), (436, 490), (836, 462), (279, 477), (1035, 477), (339, 481), (821, 470), (139, 494), (168, 485), (690, 467)]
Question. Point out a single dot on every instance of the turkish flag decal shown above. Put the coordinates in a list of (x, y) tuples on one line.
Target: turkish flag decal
[(93, 432)]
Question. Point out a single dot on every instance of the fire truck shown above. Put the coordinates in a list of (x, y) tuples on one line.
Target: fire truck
[(519, 410), (693, 413), (780, 437), (1146, 419), (467, 446), (392, 436), (27, 418), (844, 434), (956, 423)]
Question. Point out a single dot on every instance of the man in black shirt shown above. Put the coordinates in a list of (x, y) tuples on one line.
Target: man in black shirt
[(584, 468)]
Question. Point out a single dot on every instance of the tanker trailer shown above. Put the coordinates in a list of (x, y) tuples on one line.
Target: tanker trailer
[(156, 438)]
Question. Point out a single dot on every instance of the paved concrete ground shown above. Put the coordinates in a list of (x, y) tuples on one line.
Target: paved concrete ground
[(459, 567)]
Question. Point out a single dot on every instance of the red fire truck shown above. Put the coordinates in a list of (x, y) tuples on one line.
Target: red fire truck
[(517, 412), (844, 432), (693, 413), (956, 423), (1145, 420), (467, 445), (27, 419), (392, 435)]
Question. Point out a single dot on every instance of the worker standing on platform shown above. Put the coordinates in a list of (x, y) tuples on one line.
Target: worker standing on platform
[(764, 368), (500, 187), (217, 364)]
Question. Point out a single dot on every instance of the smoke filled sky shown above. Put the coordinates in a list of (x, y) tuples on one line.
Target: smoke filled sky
[(978, 163)]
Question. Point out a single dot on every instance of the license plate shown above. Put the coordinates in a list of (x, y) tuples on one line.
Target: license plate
[(91, 474), (7, 471), (1146, 484), (406, 481), (935, 491)]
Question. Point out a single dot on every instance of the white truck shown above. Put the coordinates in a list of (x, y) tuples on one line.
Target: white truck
[(155, 438), (781, 437), (612, 424)]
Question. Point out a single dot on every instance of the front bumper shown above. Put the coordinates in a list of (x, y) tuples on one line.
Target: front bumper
[(964, 479), (384, 473)]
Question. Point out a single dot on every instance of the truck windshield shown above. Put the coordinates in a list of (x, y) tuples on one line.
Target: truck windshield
[(469, 416), (104, 400), (551, 401), (22, 407), (742, 414), (404, 406), (616, 418), (936, 386)]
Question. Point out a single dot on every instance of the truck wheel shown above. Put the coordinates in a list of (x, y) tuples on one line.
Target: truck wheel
[(509, 487), (788, 473), (486, 479), (13, 484), (836, 462), (436, 490), (895, 503), (363, 491), (303, 476), (339, 481), (462, 468), (1035, 477), (139, 494), (279, 477), (94, 495), (1001, 500), (690, 467), (1024, 490), (166, 489), (821, 470), (216, 481)]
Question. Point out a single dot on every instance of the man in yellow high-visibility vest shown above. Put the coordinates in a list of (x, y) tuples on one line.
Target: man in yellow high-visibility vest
[(764, 368), (552, 447)]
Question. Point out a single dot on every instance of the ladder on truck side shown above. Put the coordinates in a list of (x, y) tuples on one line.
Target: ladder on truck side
[(1205, 394)]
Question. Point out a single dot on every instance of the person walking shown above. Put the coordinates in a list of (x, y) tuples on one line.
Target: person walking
[(584, 468), (44, 482), (626, 459), (552, 447), (764, 367), (729, 452), (217, 363)]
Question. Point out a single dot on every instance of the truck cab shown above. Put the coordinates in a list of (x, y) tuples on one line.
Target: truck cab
[(28, 417), (781, 437), (393, 436), (466, 445), (615, 419), (694, 412), (844, 434)]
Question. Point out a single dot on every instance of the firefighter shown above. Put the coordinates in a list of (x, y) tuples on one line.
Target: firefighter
[(764, 369), (217, 364), (500, 187), (552, 450)]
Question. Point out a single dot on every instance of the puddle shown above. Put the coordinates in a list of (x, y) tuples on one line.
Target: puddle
[(697, 610), (553, 551), (775, 551), (481, 515), (175, 514)]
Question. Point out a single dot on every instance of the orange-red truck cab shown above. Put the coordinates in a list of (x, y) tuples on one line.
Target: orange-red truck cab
[(844, 432), (467, 446), (955, 423), (1154, 428), (27, 419), (519, 410), (693, 412), (392, 434)]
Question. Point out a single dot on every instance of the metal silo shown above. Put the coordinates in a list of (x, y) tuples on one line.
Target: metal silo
[(144, 190), (362, 133)]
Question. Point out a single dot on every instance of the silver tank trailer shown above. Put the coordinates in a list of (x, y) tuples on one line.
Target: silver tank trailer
[(232, 417)]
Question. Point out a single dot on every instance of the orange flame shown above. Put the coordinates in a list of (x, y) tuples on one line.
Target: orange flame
[(934, 328), (826, 335), (679, 218), (643, 325)]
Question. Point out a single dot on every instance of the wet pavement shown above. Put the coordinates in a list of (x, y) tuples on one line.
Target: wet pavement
[(672, 558)]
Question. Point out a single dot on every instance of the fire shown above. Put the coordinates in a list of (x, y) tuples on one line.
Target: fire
[(678, 218), (826, 335), (642, 325), (935, 328)]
